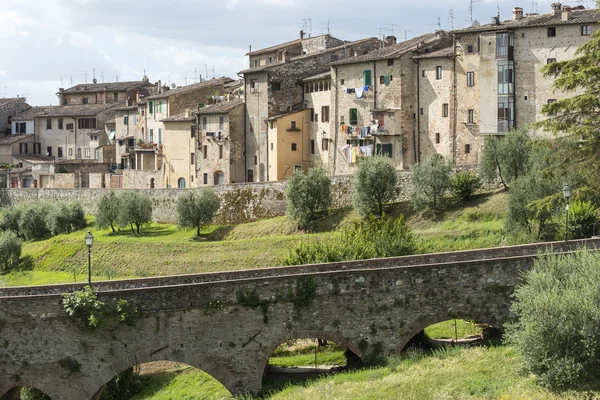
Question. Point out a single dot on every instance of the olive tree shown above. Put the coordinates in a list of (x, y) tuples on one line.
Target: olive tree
[(10, 250), (308, 194), (194, 210), (431, 180), (108, 211), (506, 158), (135, 210), (374, 185)]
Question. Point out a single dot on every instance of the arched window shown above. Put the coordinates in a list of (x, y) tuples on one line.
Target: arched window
[(219, 178), (181, 183), (307, 88), (312, 87), (320, 86)]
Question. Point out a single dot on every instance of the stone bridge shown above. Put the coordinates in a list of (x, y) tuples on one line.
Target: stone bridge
[(228, 324)]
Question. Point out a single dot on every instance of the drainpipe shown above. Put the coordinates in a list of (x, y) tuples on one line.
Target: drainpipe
[(268, 148), (417, 139), (455, 108), (245, 129), (375, 85), (75, 148), (335, 123)]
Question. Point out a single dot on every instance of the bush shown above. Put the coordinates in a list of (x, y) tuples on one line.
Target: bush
[(464, 184), (196, 210), (76, 216), (32, 222), (308, 194), (58, 219), (10, 219), (122, 386), (558, 319), (108, 211), (85, 305), (583, 215), (367, 239), (29, 393), (135, 210), (10, 250), (431, 181), (374, 185)]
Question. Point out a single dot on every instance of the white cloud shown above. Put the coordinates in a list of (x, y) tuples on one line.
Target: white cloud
[(3, 74)]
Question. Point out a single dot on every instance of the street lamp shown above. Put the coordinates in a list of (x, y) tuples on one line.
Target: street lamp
[(567, 195), (89, 239)]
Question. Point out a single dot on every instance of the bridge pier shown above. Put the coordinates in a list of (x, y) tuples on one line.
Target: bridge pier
[(12, 394)]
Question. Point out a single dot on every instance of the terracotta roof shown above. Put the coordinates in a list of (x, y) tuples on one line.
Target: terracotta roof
[(35, 158), (276, 47), (10, 139), (274, 117), (126, 108), (194, 86), (231, 86), (105, 87), (10, 100), (180, 118), (220, 108), (82, 110), (591, 16), (19, 170), (317, 77), (446, 52)]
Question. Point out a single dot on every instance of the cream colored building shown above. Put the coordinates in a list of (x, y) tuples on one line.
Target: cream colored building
[(179, 151), (288, 136), (317, 95)]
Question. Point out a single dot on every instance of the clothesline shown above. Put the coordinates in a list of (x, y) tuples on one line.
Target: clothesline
[(363, 132), (353, 153), (359, 92)]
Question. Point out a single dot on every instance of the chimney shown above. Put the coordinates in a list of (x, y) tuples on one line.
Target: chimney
[(566, 13), (496, 20), (390, 40), (61, 90), (556, 8), (137, 97), (301, 35), (517, 13), (187, 113), (159, 86)]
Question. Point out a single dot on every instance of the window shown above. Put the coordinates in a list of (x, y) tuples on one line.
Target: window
[(192, 131), (21, 127), (467, 148), (341, 81), (60, 123), (150, 110), (471, 116), (367, 77), (87, 153), (312, 147), (384, 79), (325, 114), (205, 176), (312, 115), (390, 62), (275, 85), (250, 177), (423, 73), (79, 152), (70, 126), (181, 183), (151, 135), (60, 152), (160, 106), (22, 148), (293, 126), (70, 152), (471, 78), (307, 88), (192, 158), (159, 135), (551, 31), (438, 72), (220, 151), (437, 138), (37, 148), (221, 122), (470, 49), (203, 123), (84, 100), (271, 146), (294, 147), (49, 123), (269, 60), (325, 144), (504, 45), (422, 111), (126, 120), (115, 97), (86, 123), (384, 150), (586, 30), (49, 151), (255, 160), (316, 117), (550, 60), (506, 77), (445, 110), (353, 116), (253, 84), (205, 152), (321, 87), (256, 63)]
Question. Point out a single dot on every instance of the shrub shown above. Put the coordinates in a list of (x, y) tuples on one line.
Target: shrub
[(58, 219), (76, 216), (464, 184), (29, 393), (122, 386), (583, 215), (308, 194), (10, 250), (558, 319), (32, 222), (196, 210), (10, 219), (108, 211), (85, 305), (135, 210), (431, 181), (374, 185)]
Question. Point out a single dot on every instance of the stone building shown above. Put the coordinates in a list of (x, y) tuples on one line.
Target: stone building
[(179, 151), (220, 143), (10, 108), (275, 88), (12, 145), (317, 95), (102, 93), (289, 137)]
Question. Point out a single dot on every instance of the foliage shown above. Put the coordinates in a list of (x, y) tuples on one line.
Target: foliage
[(558, 318), (464, 184), (431, 181), (367, 239), (583, 216), (374, 185), (10, 219), (85, 305), (29, 393), (108, 211), (135, 210), (65, 218), (196, 210), (308, 194), (506, 158), (306, 290), (125, 312), (32, 222), (122, 386), (10, 250)]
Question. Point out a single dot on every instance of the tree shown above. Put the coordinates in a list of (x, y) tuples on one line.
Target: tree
[(10, 250), (464, 184), (506, 158), (135, 210), (32, 222), (308, 194), (556, 332), (108, 211), (374, 185), (431, 181), (10, 219), (196, 210)]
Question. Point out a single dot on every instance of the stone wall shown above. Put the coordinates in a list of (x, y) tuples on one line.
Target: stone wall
[(138, 179)]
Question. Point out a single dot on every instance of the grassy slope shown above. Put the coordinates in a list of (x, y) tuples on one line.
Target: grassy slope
[(164, 250)]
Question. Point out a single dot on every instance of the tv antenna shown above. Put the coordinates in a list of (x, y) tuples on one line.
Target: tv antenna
[(439, 24), (307, 23), (206, 71), (452, 18), (471, 2), (213, 71), (84, 75), (406, 33)]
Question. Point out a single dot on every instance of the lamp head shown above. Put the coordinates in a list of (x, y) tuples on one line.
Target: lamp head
[(89, 239), (567, 192)]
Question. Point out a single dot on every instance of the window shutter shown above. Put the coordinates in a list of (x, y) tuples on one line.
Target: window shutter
[(378, 149), (149, 107), (353, 116), (386, 80), (367, 77)]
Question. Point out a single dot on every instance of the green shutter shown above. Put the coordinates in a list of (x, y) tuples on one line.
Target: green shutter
[(353, 116), (386, 80), (367, 77), (149, 107), (387, 150), (160, 106), (378, 149)]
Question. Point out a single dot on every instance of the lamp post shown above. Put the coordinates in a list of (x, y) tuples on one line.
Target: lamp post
[(567, 195), (89, 239)]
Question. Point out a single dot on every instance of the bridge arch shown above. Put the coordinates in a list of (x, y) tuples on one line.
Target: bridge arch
[(14, 393)]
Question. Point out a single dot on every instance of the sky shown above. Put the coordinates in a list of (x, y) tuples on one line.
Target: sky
[(48, 44)]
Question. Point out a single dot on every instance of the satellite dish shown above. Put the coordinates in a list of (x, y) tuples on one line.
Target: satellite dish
[(173, 85), (476, 24), (95, 80)]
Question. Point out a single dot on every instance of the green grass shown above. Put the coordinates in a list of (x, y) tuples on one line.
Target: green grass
[(445, 330), (304, 356), (184, 384)]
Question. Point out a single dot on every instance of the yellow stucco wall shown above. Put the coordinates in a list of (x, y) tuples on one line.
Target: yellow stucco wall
[(282, 158)]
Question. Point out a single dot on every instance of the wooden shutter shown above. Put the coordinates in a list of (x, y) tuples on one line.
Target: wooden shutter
[(367, 77), (386, 80), (353, 116)]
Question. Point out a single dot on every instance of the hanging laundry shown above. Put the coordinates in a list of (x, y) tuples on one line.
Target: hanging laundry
[(354, 154), (374, 128), (366, 88), (367, 151), (348, 90), (359, 93), (344, 127)]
